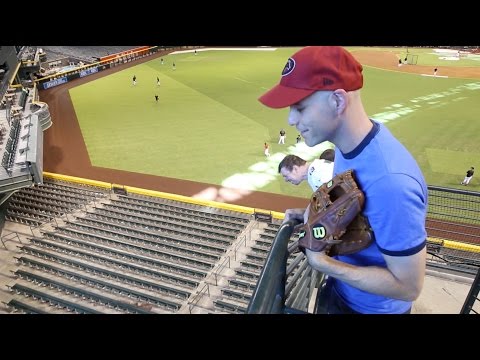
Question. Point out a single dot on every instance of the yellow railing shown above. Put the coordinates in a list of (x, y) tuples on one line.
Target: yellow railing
[(164, 195)]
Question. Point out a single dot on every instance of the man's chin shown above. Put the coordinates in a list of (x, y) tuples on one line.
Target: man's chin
[(312, 142), (308, 142)]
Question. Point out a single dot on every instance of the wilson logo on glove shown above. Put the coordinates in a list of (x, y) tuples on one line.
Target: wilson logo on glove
[(319, 232), (335, 224)]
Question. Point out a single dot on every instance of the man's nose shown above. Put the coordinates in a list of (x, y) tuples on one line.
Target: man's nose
[(292, 118)]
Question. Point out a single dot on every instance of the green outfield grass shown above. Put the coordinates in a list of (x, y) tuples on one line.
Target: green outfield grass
[(427, 56), (208, 125)]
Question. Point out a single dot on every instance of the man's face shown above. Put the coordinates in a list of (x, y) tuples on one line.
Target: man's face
[(294, 177), (314, 118)]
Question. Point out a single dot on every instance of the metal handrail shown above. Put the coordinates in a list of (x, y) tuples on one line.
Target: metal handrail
[(269, 294)]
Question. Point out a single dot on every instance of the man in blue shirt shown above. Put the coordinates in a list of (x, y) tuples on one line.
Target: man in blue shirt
[(321, 85)]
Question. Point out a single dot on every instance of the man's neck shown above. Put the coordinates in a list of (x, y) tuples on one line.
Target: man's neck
[(305, 169), (355, 126)]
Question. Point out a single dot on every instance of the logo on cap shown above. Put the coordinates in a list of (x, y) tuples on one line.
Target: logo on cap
[(289, 66)]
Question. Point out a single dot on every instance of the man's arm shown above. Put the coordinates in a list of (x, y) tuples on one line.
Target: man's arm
[(402, 279), (398, 221)]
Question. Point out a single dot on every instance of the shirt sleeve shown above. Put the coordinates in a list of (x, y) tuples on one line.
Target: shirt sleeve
[(396, 207), (319, 172)]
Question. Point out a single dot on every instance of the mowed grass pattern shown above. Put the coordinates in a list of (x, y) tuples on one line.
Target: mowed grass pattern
[(208, 125)]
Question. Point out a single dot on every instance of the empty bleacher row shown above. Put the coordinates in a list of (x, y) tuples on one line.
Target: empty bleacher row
[(133, 244), (85, 53), (88, 192), (149, 216), (129, 254), (52, 301), (196, 212), (83, 293), (34, 206), (172, 273), (235, 297), (181, 228), (207, 244)]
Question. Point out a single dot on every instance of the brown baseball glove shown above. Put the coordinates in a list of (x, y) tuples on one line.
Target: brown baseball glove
[(335, 224)]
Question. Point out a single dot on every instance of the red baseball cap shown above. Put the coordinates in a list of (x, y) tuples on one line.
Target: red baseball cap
[(311, 69)]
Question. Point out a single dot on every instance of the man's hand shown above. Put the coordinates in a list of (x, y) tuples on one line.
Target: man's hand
[(317, 259), (294, 214)]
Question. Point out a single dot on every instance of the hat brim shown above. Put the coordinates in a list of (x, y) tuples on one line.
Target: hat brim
[(282, 96)]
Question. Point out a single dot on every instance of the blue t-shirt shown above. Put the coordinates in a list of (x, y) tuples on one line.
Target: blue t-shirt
[(396, 206)]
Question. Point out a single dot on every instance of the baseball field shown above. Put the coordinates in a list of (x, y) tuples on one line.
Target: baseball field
[(204, 136)]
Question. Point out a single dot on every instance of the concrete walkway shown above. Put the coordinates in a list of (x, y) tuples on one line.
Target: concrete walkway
[(443, 294)]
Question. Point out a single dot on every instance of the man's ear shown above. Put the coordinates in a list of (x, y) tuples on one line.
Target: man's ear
[(339, 100)]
